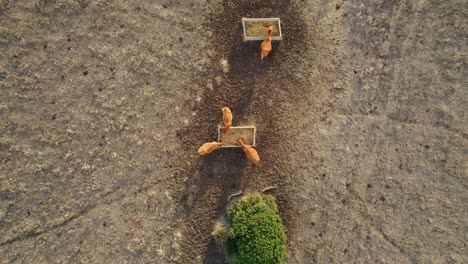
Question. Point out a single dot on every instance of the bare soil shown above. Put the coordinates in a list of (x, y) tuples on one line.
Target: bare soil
[(360, 114)]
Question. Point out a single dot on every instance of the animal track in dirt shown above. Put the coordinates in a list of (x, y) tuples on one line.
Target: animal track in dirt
[(259, 93)]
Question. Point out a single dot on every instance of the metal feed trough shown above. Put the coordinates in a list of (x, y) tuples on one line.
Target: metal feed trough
[(234, 133), (256, 28)]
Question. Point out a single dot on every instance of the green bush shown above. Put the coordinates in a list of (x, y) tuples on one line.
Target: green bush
[(257, 235)]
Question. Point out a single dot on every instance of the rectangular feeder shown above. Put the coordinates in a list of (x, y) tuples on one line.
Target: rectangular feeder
[(256, 28), (234, 133)]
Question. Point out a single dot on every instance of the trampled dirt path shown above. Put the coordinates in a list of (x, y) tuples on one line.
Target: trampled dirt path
[(270, 94)]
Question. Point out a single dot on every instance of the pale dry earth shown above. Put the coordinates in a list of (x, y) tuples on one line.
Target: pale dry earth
[(360, 114)]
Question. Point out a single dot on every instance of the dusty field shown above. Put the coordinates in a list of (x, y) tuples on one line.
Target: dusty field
[(360, 113)]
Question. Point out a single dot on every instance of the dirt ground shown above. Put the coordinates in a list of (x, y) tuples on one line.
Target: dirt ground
[(360, 112)]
